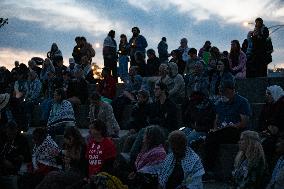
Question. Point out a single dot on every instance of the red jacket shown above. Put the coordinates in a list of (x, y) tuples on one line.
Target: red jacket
[(98, 152)]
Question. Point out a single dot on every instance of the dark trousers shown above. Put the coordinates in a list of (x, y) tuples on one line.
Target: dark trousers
[(111, 63), (229, 135)]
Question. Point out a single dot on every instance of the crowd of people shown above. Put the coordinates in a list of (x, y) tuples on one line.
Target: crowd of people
[(158, 151)]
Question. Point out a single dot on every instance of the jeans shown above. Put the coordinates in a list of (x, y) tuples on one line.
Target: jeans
[(123, 67)]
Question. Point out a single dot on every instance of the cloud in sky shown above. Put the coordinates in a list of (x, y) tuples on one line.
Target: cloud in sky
[(229, 10), (8, 56), (60, 15), (35, 24)]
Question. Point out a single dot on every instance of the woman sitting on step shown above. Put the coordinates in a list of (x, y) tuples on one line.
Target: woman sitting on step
[(250, 162)]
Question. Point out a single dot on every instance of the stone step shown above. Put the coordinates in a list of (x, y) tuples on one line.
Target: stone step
[(82, 119)]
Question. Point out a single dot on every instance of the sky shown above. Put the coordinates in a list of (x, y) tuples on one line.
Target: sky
[(35, 24)]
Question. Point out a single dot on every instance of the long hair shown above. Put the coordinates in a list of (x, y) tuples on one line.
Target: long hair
[(235, 53), (74, 150), (254, 152), (154, 137)]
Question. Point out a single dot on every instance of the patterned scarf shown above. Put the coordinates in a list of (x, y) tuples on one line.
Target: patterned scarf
[(153, 156), (191, 165), (45, 153)]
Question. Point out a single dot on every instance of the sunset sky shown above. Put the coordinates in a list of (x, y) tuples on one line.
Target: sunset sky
[(35, 24)]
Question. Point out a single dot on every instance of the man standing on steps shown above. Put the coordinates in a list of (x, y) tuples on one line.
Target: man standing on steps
[(109, 54), (163, 51), (137, 43)]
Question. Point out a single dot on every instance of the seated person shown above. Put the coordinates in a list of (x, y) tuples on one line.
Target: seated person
[(182, 167), (86, 68), (232, 115), (153, 63), (100, 110), (222, 73), (198, 116), (44, 156), (6, 115), (75, 165), (14, 150), (163, 112), (194, 59), (277, 179), (197, 80), (132, 85), (61, 114), (101, 150), (107, 86), (250, 164), (150, 158), (32, 97), (238, 60), (177, 87), (271, 121), (139, 119)]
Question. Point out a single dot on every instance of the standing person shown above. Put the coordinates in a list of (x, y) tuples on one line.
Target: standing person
[(109, 53), (163, 50), (182, 167), (137, 43), (54, 53), (260, 57), (250, 162), (101, 150), (123, 59), (182, 55), (77, 50), (87, 50), (237, 59)]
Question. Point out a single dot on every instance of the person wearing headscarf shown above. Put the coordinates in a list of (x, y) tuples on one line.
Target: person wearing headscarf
[(182, 167), (272, 114), (271, 121)]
